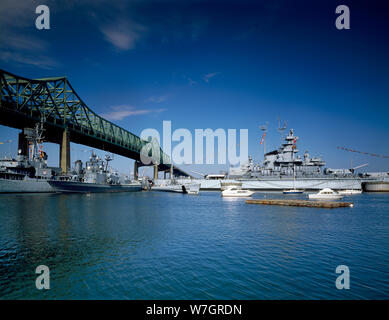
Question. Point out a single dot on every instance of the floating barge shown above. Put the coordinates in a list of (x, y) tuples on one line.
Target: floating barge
[(301, 203)]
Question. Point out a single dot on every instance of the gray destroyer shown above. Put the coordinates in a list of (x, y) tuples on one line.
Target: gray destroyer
[(95, 177)]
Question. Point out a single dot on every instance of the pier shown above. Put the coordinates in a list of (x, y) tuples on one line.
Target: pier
[(302, 203)]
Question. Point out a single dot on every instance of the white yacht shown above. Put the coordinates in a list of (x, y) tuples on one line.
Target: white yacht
[(236, 192), (326, 194)]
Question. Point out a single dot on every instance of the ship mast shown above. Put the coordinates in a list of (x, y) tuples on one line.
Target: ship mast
[(294, 176), (281, 129), (263, 140)]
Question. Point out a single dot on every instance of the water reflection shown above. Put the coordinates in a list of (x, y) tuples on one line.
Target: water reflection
[(154, 245)]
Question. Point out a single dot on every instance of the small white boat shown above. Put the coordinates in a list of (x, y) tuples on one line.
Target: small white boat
[(326, 194), (236, 192), (350, 192)]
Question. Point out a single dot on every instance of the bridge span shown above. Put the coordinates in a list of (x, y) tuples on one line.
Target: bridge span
[(66, 118)]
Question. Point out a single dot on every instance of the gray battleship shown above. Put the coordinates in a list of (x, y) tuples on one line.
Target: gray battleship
[(95, 177), (284, 169), (27, 173)]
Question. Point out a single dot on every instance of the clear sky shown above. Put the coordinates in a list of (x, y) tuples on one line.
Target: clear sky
[(215, 64)]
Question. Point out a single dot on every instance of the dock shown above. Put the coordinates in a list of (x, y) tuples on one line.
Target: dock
[(302, 203)]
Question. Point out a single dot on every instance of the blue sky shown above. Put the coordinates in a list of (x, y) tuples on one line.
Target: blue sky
[(215, 64)]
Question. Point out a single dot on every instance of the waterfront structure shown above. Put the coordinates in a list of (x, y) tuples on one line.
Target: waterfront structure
[(302, 203)]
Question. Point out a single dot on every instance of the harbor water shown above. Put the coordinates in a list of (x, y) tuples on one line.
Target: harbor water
[(151, 245)]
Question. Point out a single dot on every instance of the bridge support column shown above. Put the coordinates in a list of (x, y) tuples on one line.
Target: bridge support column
[(64, 152), (136, 172), (171, 171), (23, 144), (155, 172)]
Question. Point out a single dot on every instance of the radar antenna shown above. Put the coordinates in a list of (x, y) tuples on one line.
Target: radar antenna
[(107, 160)]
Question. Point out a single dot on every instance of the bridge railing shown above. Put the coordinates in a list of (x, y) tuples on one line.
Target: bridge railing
[(57, 101)]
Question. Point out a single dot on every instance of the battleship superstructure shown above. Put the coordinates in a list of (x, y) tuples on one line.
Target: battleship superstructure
[(95, 177), (282, 162)]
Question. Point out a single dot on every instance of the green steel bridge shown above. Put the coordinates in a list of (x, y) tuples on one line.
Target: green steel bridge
[(25, 102)]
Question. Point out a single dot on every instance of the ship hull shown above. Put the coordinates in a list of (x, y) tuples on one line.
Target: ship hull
[(25, 186), (275, 184), (175, 189), (80, 187), (304, 184), (210, 185)]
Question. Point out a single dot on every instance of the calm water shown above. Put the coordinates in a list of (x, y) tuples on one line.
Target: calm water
[(154, 245)]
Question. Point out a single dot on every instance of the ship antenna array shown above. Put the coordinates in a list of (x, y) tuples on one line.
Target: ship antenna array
[(281, 129)]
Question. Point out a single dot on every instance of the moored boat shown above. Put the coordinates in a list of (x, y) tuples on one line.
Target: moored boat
[(325, 194), (236, 192), (85, 187), (94, 178)]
